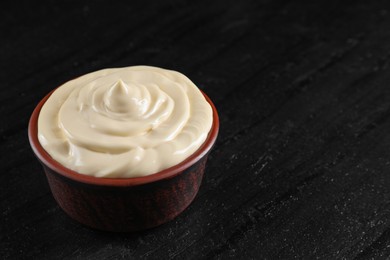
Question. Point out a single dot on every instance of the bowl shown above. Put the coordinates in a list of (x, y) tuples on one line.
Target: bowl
[(124, 204)]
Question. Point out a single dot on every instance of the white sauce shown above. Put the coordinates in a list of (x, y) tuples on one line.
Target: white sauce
[(124, 122)]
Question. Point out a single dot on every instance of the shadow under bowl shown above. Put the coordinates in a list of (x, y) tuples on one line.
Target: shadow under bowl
[(124, 204)]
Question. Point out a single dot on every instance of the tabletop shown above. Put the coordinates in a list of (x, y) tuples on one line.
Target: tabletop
[(300, 169)]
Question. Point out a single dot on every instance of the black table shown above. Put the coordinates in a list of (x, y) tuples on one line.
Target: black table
[(301, 166)]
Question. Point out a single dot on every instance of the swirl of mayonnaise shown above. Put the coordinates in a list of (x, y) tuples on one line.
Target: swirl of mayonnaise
[(124, 122)]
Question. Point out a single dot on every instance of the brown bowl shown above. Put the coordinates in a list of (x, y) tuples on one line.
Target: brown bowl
[(124, 204)]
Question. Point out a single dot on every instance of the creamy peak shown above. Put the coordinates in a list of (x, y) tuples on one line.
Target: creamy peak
[(122, 98)]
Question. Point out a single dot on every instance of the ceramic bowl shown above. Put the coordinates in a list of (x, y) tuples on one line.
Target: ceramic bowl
[(124, 204)]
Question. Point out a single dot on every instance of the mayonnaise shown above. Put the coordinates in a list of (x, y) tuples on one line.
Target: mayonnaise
[(124, 122)]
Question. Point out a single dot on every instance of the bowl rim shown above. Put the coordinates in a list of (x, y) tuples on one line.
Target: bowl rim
[(170, 172)]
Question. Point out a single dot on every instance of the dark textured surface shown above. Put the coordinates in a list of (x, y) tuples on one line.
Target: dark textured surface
[(301, 166)]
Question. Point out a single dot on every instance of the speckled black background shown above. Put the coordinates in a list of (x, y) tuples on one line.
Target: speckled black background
[(301, 166)]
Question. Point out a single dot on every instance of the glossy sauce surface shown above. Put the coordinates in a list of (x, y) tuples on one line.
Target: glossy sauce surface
[(124, 122)]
